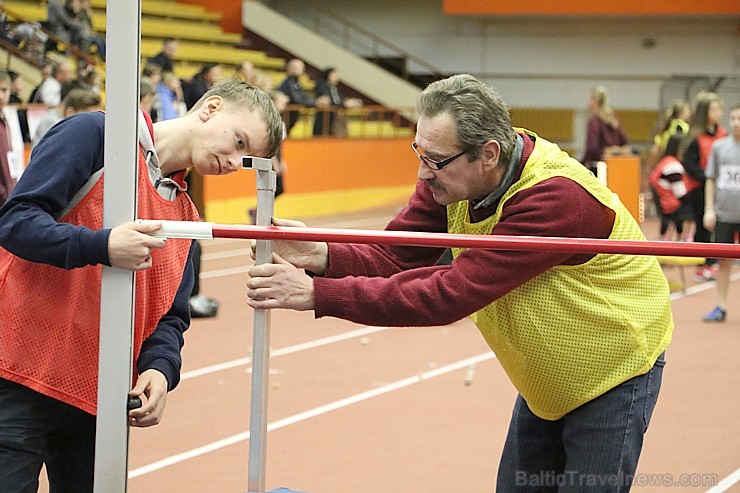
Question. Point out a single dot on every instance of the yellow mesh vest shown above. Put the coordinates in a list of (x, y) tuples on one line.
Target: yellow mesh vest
[(574, 332)]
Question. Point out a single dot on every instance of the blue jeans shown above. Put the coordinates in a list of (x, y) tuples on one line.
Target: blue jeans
[(35, 429), (594, 448)]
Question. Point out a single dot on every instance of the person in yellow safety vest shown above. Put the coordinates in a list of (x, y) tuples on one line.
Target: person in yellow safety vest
[(581, 336)]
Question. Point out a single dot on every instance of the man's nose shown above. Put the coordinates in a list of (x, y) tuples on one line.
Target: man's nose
[(425, 173)]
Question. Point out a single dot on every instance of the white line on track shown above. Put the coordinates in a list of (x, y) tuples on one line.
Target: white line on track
[(726, 483), (283, 351), (311, 413), (239, 252), (700, 288)]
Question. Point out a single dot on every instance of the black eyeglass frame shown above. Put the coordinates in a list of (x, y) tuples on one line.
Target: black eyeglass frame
[(435, 165)]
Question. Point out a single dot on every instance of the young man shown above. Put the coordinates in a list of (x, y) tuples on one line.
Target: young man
[(50, 271), (580, 336), (722, 206)]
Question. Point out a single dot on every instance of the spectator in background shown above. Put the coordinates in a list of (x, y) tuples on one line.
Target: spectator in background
[(88, 36), (704, 130), (62, 20), (16, 86), (201, 83), (154, 72), (667, 182), (93, 80), (331, 123), (245, 71), (46, 70), (169, 94), (263, 81), (603, 133), (293, 88), (165, 58), (9, 172), (77, 99), (674, 120), (5, 28), (50, 91), (722, 211), (147, 93)]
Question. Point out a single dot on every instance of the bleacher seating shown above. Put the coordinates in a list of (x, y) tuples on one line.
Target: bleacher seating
[(201, 40)]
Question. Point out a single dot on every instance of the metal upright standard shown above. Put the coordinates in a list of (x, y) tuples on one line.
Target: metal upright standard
[(266, 184), (117, 290)]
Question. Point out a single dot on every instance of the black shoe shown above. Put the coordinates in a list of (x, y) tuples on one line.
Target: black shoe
[(203, 307)]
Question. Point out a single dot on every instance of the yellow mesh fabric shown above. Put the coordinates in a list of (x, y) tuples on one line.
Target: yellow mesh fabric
[(574, 332)]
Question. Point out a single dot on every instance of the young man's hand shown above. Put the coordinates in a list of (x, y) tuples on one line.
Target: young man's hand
[(152, 385), (130, 246)]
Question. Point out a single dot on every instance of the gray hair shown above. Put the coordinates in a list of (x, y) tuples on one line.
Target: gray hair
[(244, 94), (478, 111)]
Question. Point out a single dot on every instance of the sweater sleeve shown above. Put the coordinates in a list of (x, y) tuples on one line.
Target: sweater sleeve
[(395, 293), (422, 214), (64, 160)]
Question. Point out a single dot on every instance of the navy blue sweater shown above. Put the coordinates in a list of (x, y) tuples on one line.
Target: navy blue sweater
[(60, 165)]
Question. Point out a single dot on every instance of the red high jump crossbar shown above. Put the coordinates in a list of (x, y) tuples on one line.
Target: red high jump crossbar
[(178, 229)]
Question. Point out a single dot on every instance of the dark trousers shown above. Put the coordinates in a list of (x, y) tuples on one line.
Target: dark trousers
[(37, 430), (196, 268), (594, 448), (696, 198)]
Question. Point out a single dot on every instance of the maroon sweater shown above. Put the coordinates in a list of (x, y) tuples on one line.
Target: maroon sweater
[(401, 286)]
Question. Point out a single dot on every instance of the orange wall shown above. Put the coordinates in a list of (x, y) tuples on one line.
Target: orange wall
[(231, 22), (592, 7), (322, 165)]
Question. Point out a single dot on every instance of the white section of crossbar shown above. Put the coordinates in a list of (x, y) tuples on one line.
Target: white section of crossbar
[(182, 229)]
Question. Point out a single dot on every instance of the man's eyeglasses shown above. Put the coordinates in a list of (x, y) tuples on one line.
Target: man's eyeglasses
[(435, 165)]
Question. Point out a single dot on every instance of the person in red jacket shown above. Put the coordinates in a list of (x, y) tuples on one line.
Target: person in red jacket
[(53, 248)]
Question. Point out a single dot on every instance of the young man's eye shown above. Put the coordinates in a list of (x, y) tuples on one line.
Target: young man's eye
[(239, 143)]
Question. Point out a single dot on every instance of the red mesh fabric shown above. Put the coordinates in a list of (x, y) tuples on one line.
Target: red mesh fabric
[(49, 331)]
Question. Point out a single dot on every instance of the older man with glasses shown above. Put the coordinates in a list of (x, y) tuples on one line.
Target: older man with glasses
[(581, 336)]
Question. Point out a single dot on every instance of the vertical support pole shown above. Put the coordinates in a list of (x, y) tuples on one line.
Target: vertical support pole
[(266, 185), (119, 200)]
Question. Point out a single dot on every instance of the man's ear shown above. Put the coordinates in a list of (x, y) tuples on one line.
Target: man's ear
[(209, 107), (490, 154)]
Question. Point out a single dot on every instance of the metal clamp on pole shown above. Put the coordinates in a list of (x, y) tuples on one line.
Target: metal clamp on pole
[(266, 185)]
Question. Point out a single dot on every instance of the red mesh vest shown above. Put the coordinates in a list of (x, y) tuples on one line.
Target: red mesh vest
[(49, 331), (705, 142)]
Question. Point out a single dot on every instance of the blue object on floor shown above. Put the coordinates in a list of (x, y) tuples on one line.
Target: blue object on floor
[(716, 315)]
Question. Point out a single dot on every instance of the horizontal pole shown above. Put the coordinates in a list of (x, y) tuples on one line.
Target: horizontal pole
[(492, 242)]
